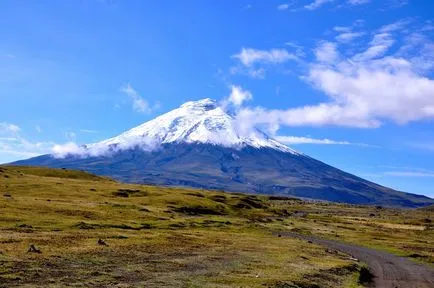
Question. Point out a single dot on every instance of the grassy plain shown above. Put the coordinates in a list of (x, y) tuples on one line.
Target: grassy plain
[(169, 237)]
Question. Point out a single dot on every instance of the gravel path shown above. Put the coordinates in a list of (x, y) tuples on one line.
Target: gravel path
[(390, 271)]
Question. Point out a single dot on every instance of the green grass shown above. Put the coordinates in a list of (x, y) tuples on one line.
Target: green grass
[(171, 237)]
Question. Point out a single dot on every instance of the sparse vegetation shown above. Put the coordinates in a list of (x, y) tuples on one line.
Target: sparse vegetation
[(89, 235)]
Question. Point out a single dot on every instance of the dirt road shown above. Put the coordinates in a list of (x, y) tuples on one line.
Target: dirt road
[(389, 271)]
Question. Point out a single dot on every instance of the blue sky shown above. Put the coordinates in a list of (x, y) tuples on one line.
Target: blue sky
[(349, 82)]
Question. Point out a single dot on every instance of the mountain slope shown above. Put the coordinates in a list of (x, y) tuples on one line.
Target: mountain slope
[(200, 145), (265, 171)]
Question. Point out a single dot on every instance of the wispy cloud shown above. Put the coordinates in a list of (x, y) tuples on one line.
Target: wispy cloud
[(342, 29), (256, 73), (13, 144), (88, 131), (249, 57), (299, 50), (358, 2), (348, 81), (396, 3), (409, 174), (139, 103), (316, 4), (38, 129), (326, 52), (9, 128), (283, 6), (251, 62), (395, 26), (295, 140), (346, 34), (401, 92)]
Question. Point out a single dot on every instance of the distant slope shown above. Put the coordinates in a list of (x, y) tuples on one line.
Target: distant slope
[(58, 173), (265, 171), (428, 208)]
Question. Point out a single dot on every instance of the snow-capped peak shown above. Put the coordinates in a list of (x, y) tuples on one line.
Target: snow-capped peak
[(203, 121), (205, 104)]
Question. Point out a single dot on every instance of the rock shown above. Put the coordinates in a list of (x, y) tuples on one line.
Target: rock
[(330, 251), (301, 214), (102, 242), (33, 249)]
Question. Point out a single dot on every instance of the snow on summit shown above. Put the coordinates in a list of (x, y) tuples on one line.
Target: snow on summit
[(203, 121)]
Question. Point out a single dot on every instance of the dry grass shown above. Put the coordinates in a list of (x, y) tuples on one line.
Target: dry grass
[(400, 231), (168, 237)]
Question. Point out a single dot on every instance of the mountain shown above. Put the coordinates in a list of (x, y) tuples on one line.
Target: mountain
[(202, 121), (201, 145)]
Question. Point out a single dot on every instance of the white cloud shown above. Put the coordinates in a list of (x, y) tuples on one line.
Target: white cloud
[(342, 29), (377, 85), (61, 151), (283, 6), (348, 36), (38, 128), (326, 52), (395, 26), (248, 56), (314, 115), (13, 145), (139, 104), (346, 33), (238, 96), (365, 87), (103, 148), (251, 60), (358, 2), (9, 128), (294, 140), (379, 45), (299, 50), (316, 4)]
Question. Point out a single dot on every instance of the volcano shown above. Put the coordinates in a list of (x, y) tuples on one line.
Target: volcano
[(202, 145)]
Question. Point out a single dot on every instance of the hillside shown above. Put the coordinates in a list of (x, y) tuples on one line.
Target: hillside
[(263, 171), (153, 236)]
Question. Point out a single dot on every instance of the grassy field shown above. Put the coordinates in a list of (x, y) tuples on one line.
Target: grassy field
[(91, 231)]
